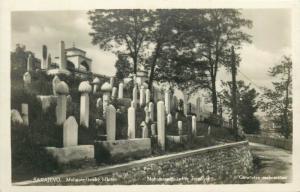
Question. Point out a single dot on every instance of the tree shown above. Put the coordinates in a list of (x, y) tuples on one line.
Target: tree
[(277, 101), (122, 31), (123, 67), (219, 30), (246, 105)]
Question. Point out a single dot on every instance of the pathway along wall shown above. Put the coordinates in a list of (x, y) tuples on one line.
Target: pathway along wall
[(286, 144), (218, 164)]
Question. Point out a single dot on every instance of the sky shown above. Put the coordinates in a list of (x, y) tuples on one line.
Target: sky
[(271, 35)]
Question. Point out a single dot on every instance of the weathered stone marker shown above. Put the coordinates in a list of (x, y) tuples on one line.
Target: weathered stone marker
[(144, 129), (55, 81), (96, 84), (84, 88), (106, 89), (121, 90), (142, 96), (168, 101), (198, 108), (151, 110), (180, 130), (62, 57), (99, 103), (62, 90), (44, 60), (134, 96), (29, 63), (153, 129), (185, 104), (161, 124), (70, 132), (24, 112), (169, 119), (112, 81), (208, 130), (27, 80), (148, 96), (111, 123), (114, 93), (131, 122), (147, 114), (194, 125)]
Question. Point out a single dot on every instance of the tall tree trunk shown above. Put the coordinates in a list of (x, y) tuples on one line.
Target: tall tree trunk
[(234, 88), (134, 65), (285, 113), (214, 96)]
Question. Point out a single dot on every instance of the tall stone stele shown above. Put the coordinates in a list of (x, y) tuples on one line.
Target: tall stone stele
[(111, 123), (120, 91), (134, 96), (131, 122), (161, 124), (62, 90), (24, 112), (142, 96), (44, 61), (27, 80), (106, 88), (70, 132), (29, 63), (84, 88), (194, 125), (168, 101)]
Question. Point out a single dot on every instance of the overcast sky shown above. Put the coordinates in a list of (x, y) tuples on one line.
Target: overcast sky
[(271, 39)]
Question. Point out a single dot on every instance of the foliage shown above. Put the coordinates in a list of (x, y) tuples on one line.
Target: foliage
[(123, 68), (277, 102), (246, 105)]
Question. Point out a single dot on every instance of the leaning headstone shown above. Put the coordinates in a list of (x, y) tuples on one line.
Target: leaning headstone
[(111, 123), (16, 117), (180, 130), (161, 124), (151, 110), (106, 88), (142, 96), (148, 96), (121, 89), (24, 112), (144, 128), (169, 119), (62, 90), (194, 125), (168, 101), (55, 81), (114, 93), (84, 88), (153, 129), (70, 132), (134, 95), (27, 79), (131, 122)]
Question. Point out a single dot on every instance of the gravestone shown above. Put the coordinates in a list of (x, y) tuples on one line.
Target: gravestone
[(121, 90), (169, 119), (70, 132), (29, 63), (151, 111), (114, 92), (161, 124), (194, 125), (111, 123), (112, 81), (168, 101), (24, 112), (99, 103), (27, 80), (144, 128), (180, 129), (16, 117), (84, 88), (96, 84), (62, 90), (134, 96), (131, 122), (62, 57), (147, 114), (153, 129), (198, 109), (148, 96), (185, 104), (106, 88), (55, 81), (142, 96)]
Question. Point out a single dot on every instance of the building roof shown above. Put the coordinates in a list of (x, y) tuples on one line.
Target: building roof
[(75, 48)]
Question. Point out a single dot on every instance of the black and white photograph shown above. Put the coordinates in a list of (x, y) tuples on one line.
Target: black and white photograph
[(151, 96)]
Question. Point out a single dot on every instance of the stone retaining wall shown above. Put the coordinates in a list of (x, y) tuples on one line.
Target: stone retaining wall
[(276, 142)]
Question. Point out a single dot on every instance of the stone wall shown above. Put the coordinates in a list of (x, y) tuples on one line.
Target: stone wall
[(225, 163), (276, 142)]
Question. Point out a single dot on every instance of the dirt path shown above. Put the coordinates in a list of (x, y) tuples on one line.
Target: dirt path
[(273, 165)]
